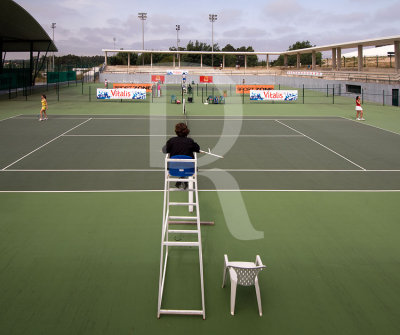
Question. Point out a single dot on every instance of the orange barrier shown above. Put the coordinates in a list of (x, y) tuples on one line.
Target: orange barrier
[(147, 87), (247, 88)]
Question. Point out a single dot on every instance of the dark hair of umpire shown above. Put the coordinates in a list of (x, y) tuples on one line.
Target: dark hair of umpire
[(182, 130)]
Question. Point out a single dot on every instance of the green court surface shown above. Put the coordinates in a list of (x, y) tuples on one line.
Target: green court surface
[(81, 212)]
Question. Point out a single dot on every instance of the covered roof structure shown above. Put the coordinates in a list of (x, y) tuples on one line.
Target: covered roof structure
[(336, 51), (20, 32)]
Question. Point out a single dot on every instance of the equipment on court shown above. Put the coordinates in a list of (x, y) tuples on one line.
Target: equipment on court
[(180, 169)]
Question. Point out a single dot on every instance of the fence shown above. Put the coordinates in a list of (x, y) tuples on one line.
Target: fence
[(85, 91)]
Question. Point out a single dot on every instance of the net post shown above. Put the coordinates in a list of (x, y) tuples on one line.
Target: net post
[(90, 93), (333, 95), (303, 94)]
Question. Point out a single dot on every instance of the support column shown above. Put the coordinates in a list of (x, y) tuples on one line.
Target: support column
[(31, 65), (105, 60), (267, 61), (334, 59), (298, 61), (397, 55), (314, 60), (223, 61), (245, 61), (1, 55), (173, 61), (151, 60), (201, 61), (360, 58), (285, 62), (339, 58), (129, 60), (179, 61)]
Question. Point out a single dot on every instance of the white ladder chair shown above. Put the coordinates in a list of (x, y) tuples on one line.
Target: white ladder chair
[(245, 274), (180, 169)]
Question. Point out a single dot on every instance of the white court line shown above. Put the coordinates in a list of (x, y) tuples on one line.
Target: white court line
[(366, 124), (162, 191), (195, 118), (45, 144), (324, 146), (170, 135), (11, 117), (200, 170), (83, 170)]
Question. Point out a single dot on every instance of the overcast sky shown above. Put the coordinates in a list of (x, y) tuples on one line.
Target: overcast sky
[(84, 27)]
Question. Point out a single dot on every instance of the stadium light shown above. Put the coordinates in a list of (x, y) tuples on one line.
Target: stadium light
[(177, 27), (143, 17), (53, 26), (212, 18)]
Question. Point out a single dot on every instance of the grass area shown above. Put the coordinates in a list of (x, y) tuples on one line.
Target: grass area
[(88, 264)]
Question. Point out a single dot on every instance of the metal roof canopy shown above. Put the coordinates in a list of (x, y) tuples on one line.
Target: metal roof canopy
[(20, 32), (347, 45)]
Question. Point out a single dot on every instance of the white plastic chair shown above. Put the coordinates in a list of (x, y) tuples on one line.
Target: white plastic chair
[(245, 274)]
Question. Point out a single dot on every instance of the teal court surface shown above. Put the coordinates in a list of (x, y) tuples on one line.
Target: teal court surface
[(81, 211), (111, 153)]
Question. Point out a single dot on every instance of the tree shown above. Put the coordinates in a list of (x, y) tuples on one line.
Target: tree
[(230, 60), (305, 59)]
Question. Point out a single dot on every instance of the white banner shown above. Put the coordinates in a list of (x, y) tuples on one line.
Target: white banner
[(273, 95), (177, 72), (305, 73), (121, 93)]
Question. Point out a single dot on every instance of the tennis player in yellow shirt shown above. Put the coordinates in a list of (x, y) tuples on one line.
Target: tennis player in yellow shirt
[(44, 109)]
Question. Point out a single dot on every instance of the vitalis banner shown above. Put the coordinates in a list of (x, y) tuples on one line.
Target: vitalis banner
[(121, 93), (273, 95)]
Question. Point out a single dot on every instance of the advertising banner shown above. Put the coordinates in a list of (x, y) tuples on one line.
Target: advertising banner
[(206, 79), (121, 93), (147, 87), (177, 72), (272, 95), (155, 78), (305, 73), (248, 88)]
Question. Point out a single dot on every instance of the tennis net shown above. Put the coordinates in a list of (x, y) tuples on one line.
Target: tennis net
[(184, 111)]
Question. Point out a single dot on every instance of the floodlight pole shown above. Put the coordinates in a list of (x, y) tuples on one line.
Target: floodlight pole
[(114, 39), (53, 26), (178, 27), (212, 18), (143, 17)]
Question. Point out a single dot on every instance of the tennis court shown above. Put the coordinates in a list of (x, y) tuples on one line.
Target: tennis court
[(91, 153), (81, 204)]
